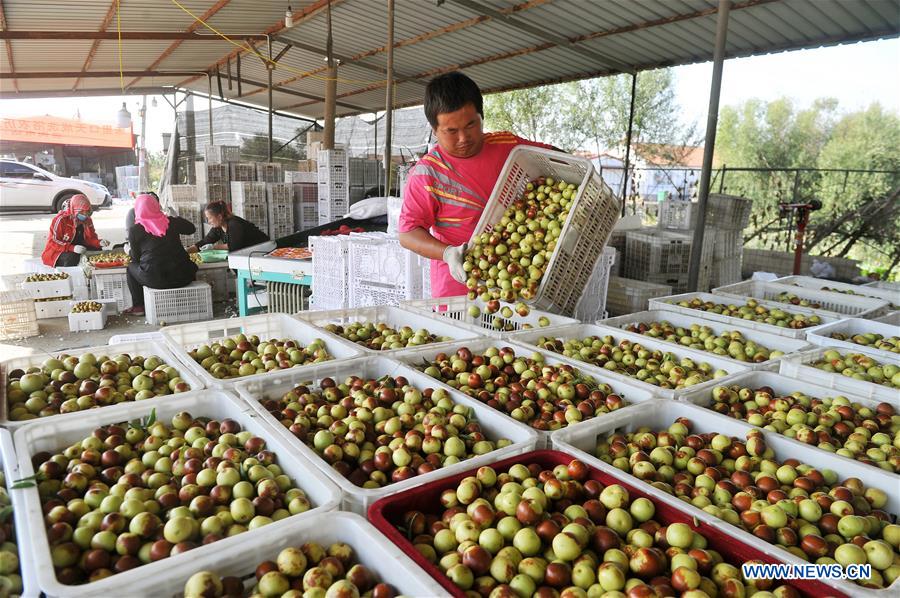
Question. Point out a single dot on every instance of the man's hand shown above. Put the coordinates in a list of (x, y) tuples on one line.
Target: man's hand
[(79, 249), (453, 257), (104, 243)]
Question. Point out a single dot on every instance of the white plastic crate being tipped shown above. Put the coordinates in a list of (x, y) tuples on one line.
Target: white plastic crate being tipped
[(892, 296), (371, 549), (474, 315), (801, 367), (815, 317), (592, 304), (594, 212), (581, 442), (215, 404), (783, 386), (719, 367), (394, 317), (847, 330), (382, 272), (186, 337), (839, 305), (357, 499), (771, 342), (145, 347), (628, 391)]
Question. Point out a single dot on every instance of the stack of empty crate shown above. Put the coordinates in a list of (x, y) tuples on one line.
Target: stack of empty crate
[(213, 182), (664, 257), (357, 174), (182, 200), (280, 209), (306, 198), (334, 191), (248, 200)]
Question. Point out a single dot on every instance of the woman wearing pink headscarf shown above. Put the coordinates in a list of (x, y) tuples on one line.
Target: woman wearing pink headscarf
[(158, 260)]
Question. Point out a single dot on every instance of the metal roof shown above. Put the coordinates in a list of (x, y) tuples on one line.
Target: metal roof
[(502, 44)]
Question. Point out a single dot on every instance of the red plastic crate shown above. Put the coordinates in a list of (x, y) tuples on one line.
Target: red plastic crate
[(427, 497)]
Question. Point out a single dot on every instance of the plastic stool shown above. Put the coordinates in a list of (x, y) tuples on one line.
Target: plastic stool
[(185, 304)]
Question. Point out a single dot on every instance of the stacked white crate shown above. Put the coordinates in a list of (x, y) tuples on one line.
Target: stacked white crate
[(663, 257), (334, 189), (269, 172), (248, 200), (182, 201), (213, 182), (280, 209), (242, 171), (222, 154), (306, 205)]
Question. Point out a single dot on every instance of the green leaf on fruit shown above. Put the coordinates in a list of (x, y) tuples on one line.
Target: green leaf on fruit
[(29, 482)]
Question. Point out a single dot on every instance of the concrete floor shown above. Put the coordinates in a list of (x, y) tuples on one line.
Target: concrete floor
[(22, 236)]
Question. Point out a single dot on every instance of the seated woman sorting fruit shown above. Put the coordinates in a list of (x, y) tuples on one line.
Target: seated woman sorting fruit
[(158, 259), (228, 231), (449, 188), (71, 234)]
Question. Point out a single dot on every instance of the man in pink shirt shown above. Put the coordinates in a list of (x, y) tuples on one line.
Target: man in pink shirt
[(449, 187)]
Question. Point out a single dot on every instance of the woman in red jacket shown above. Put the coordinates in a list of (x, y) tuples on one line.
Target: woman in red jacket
[(71, 234)]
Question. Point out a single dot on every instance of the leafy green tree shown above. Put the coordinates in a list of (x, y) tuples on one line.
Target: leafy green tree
[(257, 147)]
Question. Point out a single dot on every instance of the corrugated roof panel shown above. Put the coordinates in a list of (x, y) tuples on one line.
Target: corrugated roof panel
[(38, 55)]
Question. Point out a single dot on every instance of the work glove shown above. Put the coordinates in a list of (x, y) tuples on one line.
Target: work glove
[(453, 257), (79, 249), (127, 248), (104, 243)]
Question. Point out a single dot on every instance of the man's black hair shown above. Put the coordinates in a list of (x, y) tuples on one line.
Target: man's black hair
[(450, 92)]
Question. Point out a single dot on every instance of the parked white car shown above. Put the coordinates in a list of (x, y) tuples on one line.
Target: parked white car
[(29, 187)]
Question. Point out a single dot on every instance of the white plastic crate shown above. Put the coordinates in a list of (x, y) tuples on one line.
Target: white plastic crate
[(95, 320), (193, 213), (333, 202), (668, 303), (186, 337), (784, 386), (112, 283), (11, 471), (835, 304), (663, 257), (269, 172), (216, 276), (48, 288), (281, 220), (457, 309), (581, 441), (632, 393), (594, 212), (179, 194), (242, 172), (212, 173), (382, 272), (253, 212), (892, 296), (330, 265), (54, 436), (296, 176), (144, 346), (727, 243), (357, 499), (798, 367), (357, 169), (51, 309), (332, 158), (306, 206), (184, 304), (676, 214), (626, 295), (592, 304), (370, 548), (217, 154), (243, 192), (770, 341), (372, 172), (580, 331), (892, 318), (728, 212), (395, 317), (884, 284), (821, 336), (17, 315)]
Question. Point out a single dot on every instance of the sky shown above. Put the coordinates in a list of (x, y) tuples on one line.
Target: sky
[(856, 75)]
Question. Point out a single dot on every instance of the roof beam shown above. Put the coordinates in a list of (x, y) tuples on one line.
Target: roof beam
[(9, 51), (104, 25), (193, 27), (304, 15), (101, 35), (95, 74), (86, 93)]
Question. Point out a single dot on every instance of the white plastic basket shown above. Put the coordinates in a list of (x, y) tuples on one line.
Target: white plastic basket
[(593, 299), (624, 387), (331, 266), (883, 284), (888, 294), (784, 386), (17, 315), (370, 548), (382, 272), (51, 309), (821, 336), (53, 436), (770, 341), (893, 318), (394, 317), (141, 346), (797, 367), (834, 304), (112, 283), (581, 442), (23, 539), (626, 295), (585, 233), (184, 304), (94, 320), (676, 214), (457, 309), (669, 304), (267, 326), (355, 499), (297, 176), (48, 288), (581, 331)]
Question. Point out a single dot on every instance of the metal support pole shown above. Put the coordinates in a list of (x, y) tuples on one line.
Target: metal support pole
[(269, 68), (330, 89), (389, 98), (143, 179), (712, 120), (209, 106), (628, 140)]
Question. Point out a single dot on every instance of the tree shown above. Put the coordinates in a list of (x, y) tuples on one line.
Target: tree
[(258, 147), (525, 112)]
